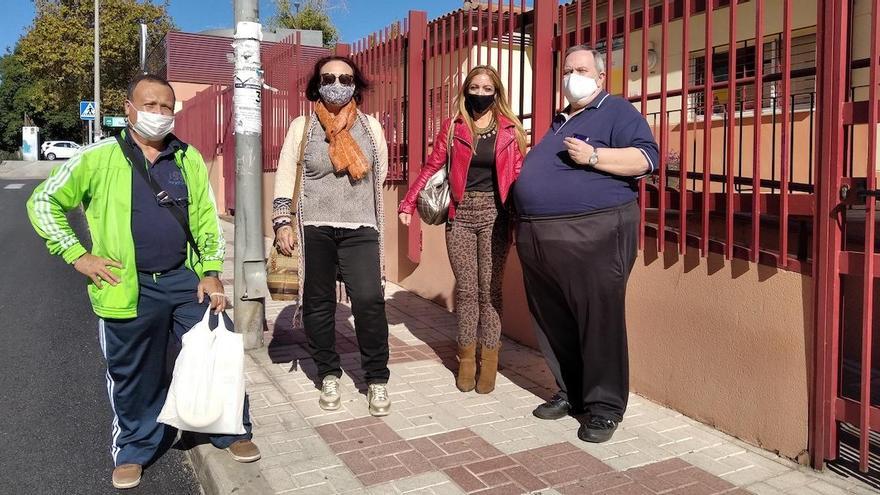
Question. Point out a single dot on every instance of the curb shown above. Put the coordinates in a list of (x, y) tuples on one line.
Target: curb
[(219, 474)]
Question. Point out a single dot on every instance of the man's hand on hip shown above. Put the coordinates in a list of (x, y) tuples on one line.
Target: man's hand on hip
[(213, 288), (97, 269)]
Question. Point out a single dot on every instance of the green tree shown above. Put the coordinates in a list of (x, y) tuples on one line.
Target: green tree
[(51, 68), (313, 15)]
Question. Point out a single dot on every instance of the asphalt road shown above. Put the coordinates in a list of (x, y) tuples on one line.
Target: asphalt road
[(54, 411)]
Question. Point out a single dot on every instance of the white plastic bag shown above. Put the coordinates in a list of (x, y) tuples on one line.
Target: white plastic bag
[(207, 388)]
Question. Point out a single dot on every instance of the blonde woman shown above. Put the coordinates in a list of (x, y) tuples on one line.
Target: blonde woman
[(487, 144), (339, 225)]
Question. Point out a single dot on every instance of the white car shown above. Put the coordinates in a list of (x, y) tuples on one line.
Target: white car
[(59, 149)]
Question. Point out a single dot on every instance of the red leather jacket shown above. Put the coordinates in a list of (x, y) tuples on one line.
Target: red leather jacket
[(508, 162)]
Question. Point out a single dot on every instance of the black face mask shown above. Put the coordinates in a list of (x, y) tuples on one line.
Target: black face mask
[(477, 104)]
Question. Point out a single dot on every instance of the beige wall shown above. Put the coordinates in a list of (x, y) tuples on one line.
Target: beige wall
[(185, 91), (728, 344)]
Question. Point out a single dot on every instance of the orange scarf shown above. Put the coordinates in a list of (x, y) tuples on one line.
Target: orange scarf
[(345, 154)]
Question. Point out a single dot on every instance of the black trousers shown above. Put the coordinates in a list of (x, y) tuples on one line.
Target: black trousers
[(575, 271), (356, 254), (550, 358)]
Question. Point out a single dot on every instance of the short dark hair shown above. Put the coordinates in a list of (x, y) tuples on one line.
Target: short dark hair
[(149, 78), (360, 84)]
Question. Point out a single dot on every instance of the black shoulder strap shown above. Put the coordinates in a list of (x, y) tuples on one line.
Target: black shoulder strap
[(177, 213)]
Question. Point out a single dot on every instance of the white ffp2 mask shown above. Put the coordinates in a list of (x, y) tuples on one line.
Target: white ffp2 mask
[(577, 87)]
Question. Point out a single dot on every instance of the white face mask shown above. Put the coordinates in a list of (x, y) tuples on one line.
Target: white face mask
[(578, 87), (152, 126)]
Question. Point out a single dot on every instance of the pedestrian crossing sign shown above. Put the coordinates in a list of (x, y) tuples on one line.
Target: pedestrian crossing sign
[(87, 110)]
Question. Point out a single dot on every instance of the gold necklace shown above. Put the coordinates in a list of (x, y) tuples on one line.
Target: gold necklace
[(485, 130)]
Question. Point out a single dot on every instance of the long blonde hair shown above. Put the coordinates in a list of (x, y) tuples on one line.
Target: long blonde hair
[(499, 107)]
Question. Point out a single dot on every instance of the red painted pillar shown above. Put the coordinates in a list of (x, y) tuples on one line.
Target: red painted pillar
[(832, 36), (415, 117), (342, 50), (543, 84)]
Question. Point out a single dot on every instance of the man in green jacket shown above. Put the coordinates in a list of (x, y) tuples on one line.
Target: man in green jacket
[(157, 252)]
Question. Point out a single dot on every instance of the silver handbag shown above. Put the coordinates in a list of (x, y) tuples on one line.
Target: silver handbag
[(433, 199)]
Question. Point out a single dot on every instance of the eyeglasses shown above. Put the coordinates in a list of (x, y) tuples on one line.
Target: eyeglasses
[(344, 79), (165, 200)]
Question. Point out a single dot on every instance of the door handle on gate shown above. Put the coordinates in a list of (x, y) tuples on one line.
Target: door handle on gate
[(851, 194)]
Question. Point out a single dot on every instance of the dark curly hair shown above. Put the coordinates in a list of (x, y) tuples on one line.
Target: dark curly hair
[(360, 84)]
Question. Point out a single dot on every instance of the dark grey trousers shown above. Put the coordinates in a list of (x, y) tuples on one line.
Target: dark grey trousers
[(575, 270)]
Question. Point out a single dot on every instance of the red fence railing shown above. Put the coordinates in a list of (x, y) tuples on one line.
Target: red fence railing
[(382, 58), (698, 199), (199, 123)]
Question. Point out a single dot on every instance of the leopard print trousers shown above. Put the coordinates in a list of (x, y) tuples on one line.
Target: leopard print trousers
[(478, 242)]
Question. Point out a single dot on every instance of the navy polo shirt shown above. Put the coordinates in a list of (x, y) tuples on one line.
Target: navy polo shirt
[(552, 184), (159, 239)]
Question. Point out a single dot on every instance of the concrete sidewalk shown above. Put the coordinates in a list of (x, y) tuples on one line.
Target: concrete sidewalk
[(25, 170), (440, 441)]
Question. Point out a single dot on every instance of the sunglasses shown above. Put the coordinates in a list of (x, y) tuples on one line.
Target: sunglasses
[(344, 79), (165, 200)]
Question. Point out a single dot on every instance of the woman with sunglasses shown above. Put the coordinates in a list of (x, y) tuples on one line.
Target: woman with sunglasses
[(336, 221), (485, 144)]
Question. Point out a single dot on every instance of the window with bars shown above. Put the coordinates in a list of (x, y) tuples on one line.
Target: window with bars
[(803, 81)]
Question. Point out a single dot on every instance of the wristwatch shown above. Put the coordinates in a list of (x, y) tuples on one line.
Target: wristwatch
[(594, 158), (212, 273)]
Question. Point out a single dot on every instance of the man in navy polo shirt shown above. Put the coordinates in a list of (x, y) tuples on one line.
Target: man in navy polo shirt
[(578, 237)]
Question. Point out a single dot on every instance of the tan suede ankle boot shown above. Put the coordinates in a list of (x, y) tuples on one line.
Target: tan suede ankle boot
[(467, 367), (488, 369)]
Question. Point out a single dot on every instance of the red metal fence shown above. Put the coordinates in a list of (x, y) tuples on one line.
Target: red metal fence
[(746, 100), (846, 388), (206, 119), (382, 58)]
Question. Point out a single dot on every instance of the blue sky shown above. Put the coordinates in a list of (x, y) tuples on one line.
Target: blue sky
[(361, 17)]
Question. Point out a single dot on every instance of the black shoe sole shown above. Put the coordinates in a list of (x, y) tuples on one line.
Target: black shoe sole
[(596, 436), (538, 413)]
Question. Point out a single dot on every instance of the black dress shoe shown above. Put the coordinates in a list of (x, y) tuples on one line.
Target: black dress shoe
[(598, 430), (555, 408)]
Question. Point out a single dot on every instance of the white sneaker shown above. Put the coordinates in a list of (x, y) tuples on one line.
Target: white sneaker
[(330, 398), (377, 397)]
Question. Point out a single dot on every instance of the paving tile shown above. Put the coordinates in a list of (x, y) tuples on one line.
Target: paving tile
[(423, 483), (826, 488), (508, 489), (522, 477), (493, 464), (749, 476), (764, 489), (464, 478), (789, 480), (390, 474)]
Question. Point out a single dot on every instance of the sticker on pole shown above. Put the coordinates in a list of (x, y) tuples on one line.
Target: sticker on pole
[(248, 86), (87, 110), (246, 102)]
